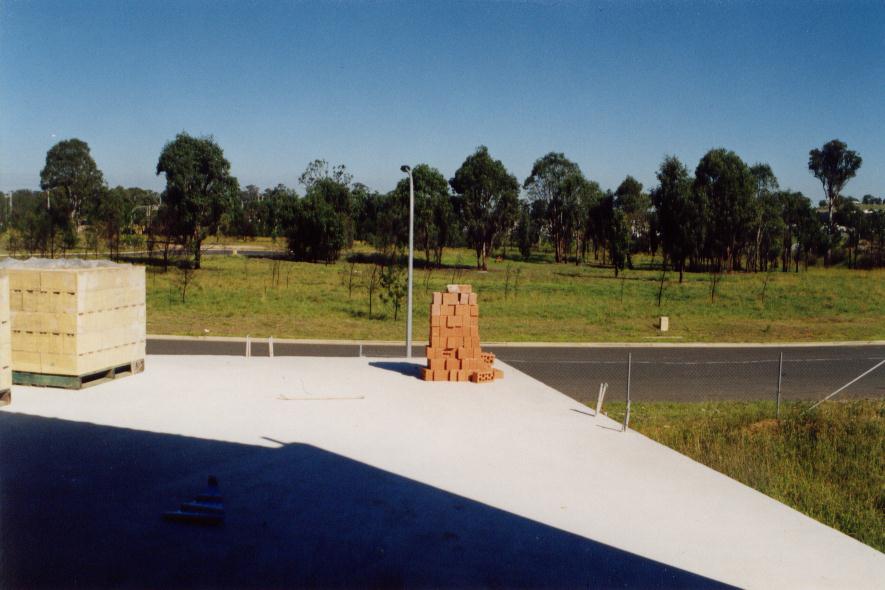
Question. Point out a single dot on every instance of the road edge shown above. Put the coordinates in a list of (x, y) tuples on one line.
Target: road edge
[(173, 337)]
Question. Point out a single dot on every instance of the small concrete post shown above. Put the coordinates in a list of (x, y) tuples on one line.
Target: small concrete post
[(248, 346), (780, 376), (270, 346), (665, 323), (629, 370)]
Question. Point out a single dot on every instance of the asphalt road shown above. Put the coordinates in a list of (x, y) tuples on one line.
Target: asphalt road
[(672, 374)]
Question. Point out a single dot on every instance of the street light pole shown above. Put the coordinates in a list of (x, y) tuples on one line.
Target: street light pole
[(408, 170)]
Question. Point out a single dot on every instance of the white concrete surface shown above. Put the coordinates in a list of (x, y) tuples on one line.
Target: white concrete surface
[(514, 444)]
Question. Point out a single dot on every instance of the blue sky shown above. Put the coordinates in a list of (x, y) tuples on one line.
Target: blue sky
[(372, 85)]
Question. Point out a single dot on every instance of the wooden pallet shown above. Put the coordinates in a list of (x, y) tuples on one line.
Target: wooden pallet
[(5, 397), (77, 381)]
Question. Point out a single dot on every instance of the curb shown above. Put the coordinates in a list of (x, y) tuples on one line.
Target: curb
[(844, 343)]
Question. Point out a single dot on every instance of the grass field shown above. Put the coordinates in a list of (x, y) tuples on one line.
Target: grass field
[(540, 301), (828, 463)]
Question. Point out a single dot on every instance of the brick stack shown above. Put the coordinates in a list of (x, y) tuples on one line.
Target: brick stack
[(5, 342), (454, 353)]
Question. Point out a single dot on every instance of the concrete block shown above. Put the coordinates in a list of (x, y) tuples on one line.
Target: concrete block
[(26, 360)]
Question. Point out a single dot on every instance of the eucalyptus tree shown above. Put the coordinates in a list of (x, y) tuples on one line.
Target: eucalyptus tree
[(849, 216), (4, 211), (635, 204), (199, 187), (676, 212), (113, 217), (725, 184), (589, 231), (316, 230), (525, 232), (321, 170), (488, 201), (557, 183), (793, 207), (874, 233), (71, 173), (276, 208), (811, 234), (769, 219), (834, 165), (434, 215)]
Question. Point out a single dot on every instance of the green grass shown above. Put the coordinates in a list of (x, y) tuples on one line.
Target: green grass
[(828, 463), (234, 296)]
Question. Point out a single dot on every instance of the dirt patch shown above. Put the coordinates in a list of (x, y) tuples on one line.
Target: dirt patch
[(768, 425)]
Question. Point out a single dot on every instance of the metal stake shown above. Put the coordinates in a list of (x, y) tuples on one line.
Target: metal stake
[(780, 375), (629, 370), (599, 398)]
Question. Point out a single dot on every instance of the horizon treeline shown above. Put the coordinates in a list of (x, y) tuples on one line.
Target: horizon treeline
[(725, 215)]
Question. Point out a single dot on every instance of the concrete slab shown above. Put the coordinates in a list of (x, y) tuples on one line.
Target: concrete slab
[(352, 472)]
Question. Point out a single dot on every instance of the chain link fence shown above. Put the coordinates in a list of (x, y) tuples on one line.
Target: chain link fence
[(688, 374)]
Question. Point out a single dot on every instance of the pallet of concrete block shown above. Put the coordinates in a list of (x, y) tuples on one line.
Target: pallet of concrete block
[(75, 322), (5, 343)]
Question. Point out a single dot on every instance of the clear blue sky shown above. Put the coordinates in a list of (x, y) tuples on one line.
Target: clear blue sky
[(372, 85)]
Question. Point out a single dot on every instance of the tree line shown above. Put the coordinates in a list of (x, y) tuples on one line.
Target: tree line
[(726, 215)]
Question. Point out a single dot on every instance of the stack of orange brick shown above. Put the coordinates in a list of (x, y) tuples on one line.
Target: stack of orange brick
[(454, 353)]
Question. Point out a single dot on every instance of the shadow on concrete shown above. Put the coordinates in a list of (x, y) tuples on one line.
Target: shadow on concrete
[(81, 505), (403, 368)]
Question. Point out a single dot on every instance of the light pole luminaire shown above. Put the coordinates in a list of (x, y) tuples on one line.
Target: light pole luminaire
[(408, 170)]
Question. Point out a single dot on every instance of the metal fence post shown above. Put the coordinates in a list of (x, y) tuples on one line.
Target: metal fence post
[(629, 370), (780, 376)]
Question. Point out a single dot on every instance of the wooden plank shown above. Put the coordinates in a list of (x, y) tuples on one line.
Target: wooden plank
[(44, 380)]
